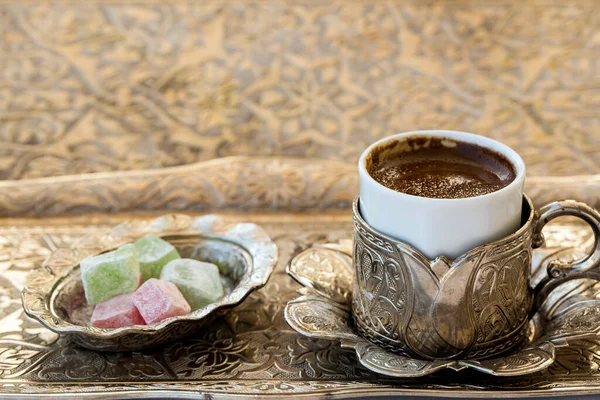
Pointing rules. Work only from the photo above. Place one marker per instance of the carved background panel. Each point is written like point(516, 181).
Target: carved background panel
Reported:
point(116, 85)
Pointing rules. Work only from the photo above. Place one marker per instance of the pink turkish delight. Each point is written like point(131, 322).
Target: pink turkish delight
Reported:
point(157, 300)
point(117, 312)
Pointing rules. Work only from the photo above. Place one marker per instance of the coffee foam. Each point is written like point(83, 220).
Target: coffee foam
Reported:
point(439, 168)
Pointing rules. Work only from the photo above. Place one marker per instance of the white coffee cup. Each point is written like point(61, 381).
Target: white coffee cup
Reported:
point(447, 227)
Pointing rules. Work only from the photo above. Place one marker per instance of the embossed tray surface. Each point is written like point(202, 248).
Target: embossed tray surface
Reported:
point(250, 350)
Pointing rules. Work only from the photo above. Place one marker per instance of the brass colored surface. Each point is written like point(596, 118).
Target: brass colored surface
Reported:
point(105, 85)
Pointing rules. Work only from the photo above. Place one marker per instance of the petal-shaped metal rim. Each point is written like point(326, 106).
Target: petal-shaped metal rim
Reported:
point(334, 283)
point(407, 248)
point(383, 362)
point(318, 317)
point(525, 361)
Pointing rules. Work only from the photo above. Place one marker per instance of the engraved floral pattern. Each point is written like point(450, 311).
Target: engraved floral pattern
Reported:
point(477, 308)
point(106, 86)
point(229, 183)
point(31, 356)
point(313, 316)
point(331, 274)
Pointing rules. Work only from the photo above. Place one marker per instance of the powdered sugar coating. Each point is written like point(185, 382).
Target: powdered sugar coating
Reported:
point(198, 281)
point(117, 312)
point(157, 300)
point(153, 254)
point(107, 275)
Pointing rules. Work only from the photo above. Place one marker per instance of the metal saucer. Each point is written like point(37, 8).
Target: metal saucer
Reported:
point(324, 312)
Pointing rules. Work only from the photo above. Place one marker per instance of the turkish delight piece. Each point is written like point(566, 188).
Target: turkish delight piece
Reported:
point(107, 275)
point(117, 312)
point(198, 281)
point(157, 300)
point(153, 254)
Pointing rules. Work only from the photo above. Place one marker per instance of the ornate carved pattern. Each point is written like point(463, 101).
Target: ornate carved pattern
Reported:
point(380, 295)
point(309, 314)
point(333, 275)
point(248, 351)
point(502, 295)
point(577, 319)
point(377, 359)
point(227, 184)
point(381, 341)
point(520, 362)
point(500, 347)
point(240, 183)
point(321, 316)
point(111, 86)
point(478, 306)
point(375, 240)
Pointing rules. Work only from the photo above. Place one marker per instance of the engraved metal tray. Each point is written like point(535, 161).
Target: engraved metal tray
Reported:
point(249, 351)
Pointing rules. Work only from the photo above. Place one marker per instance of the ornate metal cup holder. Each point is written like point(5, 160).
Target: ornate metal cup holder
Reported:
point(324, 312)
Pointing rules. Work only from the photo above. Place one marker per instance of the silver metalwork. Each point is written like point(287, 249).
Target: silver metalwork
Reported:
point(474, 307)
point(250, 351)
point(54, 296)
point(322, 314)
point(560, 272)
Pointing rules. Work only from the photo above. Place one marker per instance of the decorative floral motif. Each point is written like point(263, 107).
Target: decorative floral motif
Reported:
point(477, 307)
point(278, 185)
point(291, 363)
point(333, 275)
point(107, 86)
point(231, 183)
point(320, 316)
point(215, 357)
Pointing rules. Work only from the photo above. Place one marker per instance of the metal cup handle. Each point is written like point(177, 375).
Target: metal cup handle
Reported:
point(560, 272)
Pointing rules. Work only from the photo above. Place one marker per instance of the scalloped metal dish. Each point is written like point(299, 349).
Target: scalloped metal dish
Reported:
point(53, 294)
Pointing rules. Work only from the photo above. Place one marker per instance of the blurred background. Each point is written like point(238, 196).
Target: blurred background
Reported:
point(116, 85)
